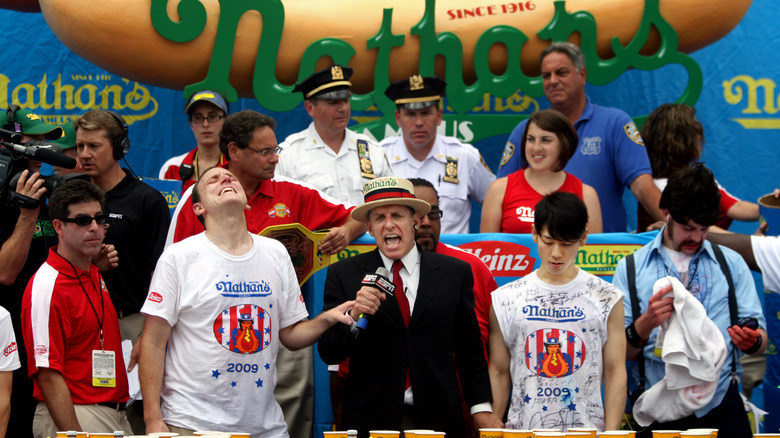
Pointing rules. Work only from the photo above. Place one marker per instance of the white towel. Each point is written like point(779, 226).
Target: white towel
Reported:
point(693, 350)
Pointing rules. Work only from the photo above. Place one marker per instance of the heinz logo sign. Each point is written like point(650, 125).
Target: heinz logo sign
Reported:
point(504, 259)
point(155, 297)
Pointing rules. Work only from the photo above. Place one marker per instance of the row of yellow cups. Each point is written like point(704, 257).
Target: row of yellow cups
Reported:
point(690, 433)
point(574, 432)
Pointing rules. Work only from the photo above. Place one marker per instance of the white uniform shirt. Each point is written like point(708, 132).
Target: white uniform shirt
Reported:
point(305, 157)
point(472, 174)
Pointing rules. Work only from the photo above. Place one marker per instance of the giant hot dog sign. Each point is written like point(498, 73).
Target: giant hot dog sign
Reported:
point(261, 48)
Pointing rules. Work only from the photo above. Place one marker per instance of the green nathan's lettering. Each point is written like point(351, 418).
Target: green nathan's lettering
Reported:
point(447, 46)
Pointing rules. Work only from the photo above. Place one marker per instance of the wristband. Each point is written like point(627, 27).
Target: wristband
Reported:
point(755, 346)
point(23, 201)
point(633, 337)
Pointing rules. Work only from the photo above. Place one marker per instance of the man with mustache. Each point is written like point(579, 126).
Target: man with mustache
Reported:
point(327, 155)
point(691, 203)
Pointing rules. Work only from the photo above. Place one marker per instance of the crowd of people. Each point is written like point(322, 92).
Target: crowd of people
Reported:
point(97, 277)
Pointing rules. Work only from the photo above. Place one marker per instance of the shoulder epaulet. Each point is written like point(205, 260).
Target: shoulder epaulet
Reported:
point(292, 138)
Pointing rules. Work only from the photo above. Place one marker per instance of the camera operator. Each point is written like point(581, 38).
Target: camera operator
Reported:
point(26, 233)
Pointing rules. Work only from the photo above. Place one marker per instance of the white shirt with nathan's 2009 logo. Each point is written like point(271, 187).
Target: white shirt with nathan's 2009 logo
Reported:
point(225, 312)
point(555, 335)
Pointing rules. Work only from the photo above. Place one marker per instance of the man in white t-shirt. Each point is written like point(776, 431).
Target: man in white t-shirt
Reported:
point(218, 306)
point(9, 361)
point(556, 336)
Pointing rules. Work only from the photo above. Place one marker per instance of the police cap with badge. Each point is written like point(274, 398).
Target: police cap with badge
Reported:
point(417, 92)
point(331, 83)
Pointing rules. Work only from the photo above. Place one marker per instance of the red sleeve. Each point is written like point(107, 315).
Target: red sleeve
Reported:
point(187, 224)
point(726, 200)
point(45, 349)
point(172, 172)
point(318, 212)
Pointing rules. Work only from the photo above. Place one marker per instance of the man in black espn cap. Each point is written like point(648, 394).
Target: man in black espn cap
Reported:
point(455, 168)
point(327, 155)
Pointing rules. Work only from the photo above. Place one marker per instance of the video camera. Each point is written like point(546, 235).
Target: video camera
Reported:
point(13, 160)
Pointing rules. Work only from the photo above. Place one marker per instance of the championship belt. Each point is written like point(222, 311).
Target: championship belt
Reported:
point(366, 169)
point(303, 246)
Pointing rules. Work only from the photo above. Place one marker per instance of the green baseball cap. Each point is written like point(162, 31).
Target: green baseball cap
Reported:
point(31, 124)
point(68, 139)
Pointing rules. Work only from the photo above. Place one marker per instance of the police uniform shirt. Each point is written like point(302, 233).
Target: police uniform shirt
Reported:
point(305, 157)
point(456, 170)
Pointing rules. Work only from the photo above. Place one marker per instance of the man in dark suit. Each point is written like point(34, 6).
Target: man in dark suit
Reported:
point(420, 342)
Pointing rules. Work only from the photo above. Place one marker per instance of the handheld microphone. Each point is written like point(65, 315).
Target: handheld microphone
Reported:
point(379, 281)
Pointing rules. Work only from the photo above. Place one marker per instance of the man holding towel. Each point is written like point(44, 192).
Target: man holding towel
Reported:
point(691, 204)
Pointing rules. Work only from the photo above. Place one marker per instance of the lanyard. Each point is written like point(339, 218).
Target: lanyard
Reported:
point(102, 302)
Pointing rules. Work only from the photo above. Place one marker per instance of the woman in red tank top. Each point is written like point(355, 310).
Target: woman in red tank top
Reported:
point(549, 141)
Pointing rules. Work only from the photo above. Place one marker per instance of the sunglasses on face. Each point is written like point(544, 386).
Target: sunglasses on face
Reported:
point(83, 221)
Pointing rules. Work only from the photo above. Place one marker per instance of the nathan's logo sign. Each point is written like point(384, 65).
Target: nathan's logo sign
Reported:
point(747, 92)
point(72, 96)
point(478, 47)
point(601, 260)
point(504, 259)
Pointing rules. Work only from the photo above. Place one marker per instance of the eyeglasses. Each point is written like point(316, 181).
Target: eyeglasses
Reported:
point(212, 118)
point(83, 221)
point(266, 152)
point(435, 215)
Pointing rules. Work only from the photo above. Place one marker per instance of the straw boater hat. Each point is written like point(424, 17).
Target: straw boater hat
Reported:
point(389, 191)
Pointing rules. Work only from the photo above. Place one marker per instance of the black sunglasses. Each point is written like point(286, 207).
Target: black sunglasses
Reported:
point(83, 221)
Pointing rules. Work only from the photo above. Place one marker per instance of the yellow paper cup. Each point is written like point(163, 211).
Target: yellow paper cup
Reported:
point(623, 433)
point(575, 434)
point(591, 431)
point(429, 434)
point(666, 434)
point(491, 433)
point(411, 433)
point(548, 434)
point(384, 433)
point(695, 434)
point(101, 435)
point(335, 434)
point(518, 433)
point(160, 434)
point(713, 432)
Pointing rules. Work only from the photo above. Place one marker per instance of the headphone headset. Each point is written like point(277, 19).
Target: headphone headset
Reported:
point(12, 125)
point(122, 142)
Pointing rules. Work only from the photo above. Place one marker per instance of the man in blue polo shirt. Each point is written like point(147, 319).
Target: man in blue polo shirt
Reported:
point(610, 155)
